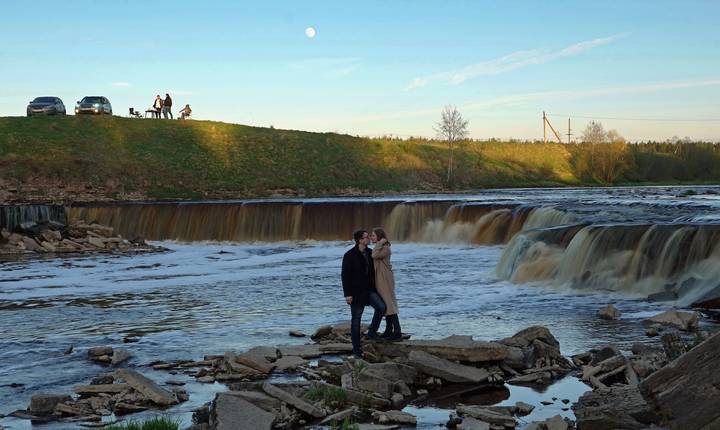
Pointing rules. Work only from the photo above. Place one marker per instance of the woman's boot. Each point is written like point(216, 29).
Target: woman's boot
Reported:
point(388, 327)
point(396, 331)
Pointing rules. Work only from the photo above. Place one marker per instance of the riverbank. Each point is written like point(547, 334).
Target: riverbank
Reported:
point(82, 159)
point(315, 386)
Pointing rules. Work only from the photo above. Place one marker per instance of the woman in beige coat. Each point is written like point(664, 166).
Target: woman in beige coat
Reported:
point(385, 283)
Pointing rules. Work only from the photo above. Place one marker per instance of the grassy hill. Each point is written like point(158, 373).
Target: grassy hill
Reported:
point(96, 158)
point(93, 158)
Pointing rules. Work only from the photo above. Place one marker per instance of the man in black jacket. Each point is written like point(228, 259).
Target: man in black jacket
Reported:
point(358, 281)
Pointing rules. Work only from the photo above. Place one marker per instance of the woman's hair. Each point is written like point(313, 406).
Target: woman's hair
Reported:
point(380, 233)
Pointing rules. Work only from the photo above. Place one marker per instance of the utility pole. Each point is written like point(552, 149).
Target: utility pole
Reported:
point(569, 134)
point(544, 128)
point(546, 123)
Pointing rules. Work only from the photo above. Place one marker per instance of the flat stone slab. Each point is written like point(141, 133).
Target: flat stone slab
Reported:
point(289, 363)
point(304, 351)
point(258, 358)
point(454, 348)
point(44, 404)
point(230, 412)
point(445, 369)
point(487, 415)
point(293, 400)
point(470, 423)
point(339, 416)
point(146, 387)
point(257, 398)
point(101, 388)
point(394, 417)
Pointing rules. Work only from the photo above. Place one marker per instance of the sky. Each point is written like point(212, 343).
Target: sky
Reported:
point(650, 69)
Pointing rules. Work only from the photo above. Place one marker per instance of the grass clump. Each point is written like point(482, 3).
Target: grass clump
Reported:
point(346, 424)
point(334, 396)
point(155, 423)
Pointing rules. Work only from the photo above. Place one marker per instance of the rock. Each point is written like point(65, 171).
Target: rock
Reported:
point(304, 351)
point(618, 407)
point(120, 355)
point(339, 416)
point(397, 400)
point(44, 404)
point(96, 242)
point(368, 381)
point(206, 379)
point(651, 332)
point(454, 348)
point(524, 408)
point(258, 358)
point(524, 338)
point(686, 391)
point(235, 413)
point(100, 388)
point(487, 415)
point(673, 345)
point(146, 387)
point(470, 423)
point(686, 321)
point(98, 351)
point(64, 409)
point(289, 363)
point(69, 350)
point(122, 408)
point(394, 372)
point(336, 348)
point(31, 244)
point(376, 427)
point(174, 382)
point(445, 369)
point(322, 332)
point(235, 366)
point(293, 401)
point(258, 399)
point(609, 312)
point(394, 417)
point(603, 353)
point(556, 423)
point(297, 333)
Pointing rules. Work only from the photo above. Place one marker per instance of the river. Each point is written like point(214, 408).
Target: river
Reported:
point(455, 272)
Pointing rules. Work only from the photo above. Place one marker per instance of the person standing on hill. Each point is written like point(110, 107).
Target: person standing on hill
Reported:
point(157, 105)
point(358, 282)
point(385, 283)
point(167, 107)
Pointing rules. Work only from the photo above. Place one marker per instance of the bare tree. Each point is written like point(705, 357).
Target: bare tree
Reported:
point(451, 128)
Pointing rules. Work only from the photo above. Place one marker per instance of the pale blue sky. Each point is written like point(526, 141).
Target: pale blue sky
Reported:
point(378, 67)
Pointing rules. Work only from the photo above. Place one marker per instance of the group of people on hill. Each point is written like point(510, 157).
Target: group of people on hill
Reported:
point(368, 280)
point(164, 106)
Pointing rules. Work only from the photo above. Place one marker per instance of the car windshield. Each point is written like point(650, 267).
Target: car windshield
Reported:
point(44, 100)
point(92, 100)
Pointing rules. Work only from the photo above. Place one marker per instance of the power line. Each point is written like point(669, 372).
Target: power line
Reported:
point(640, 119)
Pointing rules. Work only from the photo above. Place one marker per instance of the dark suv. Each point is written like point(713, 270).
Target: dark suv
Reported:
point(46, 106)
point(93, 105)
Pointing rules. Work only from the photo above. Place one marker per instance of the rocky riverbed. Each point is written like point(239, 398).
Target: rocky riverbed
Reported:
point(670, 383)
point(53, 238)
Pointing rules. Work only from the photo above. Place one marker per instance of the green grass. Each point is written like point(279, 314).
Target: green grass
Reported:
point(331, 395)
point(346, 424)
point(123, 158)
point(157, 423)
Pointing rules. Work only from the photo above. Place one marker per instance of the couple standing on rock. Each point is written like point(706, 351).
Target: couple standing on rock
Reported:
point(367, 279)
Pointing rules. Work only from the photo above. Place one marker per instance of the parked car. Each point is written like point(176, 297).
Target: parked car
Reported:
point(93, 105)
point(46, 106)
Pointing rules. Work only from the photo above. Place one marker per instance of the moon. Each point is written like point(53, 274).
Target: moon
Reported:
point(310, 32)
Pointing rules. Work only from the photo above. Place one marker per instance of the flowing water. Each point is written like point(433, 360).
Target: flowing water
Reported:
point(241, 274)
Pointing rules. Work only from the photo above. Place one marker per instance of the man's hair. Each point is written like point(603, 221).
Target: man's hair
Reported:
point(358, 234)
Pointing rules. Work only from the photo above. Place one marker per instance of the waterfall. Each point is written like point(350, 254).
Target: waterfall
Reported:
point(12, 216)
point(430, 221)
point(675, 262)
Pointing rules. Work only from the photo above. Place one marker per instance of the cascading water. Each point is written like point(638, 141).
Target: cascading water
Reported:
point(674, 262)
point(429, 221)
point(12, 216)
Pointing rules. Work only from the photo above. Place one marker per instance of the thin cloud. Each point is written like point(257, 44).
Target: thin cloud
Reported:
point(507, 63)
point(121, 84)
point(521, 99)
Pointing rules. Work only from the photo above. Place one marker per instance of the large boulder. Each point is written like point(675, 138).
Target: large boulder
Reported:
point(618, 407)
point(445, 369)
point(686, 321)
point(454, 348)
point(686, 392)
point(609, 312)
point(45, 404)
point(230, 412)
point(146, 387)
point(539, 348)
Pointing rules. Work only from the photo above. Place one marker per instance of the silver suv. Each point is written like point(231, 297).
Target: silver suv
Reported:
point(93, 105)
point(46, 106)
